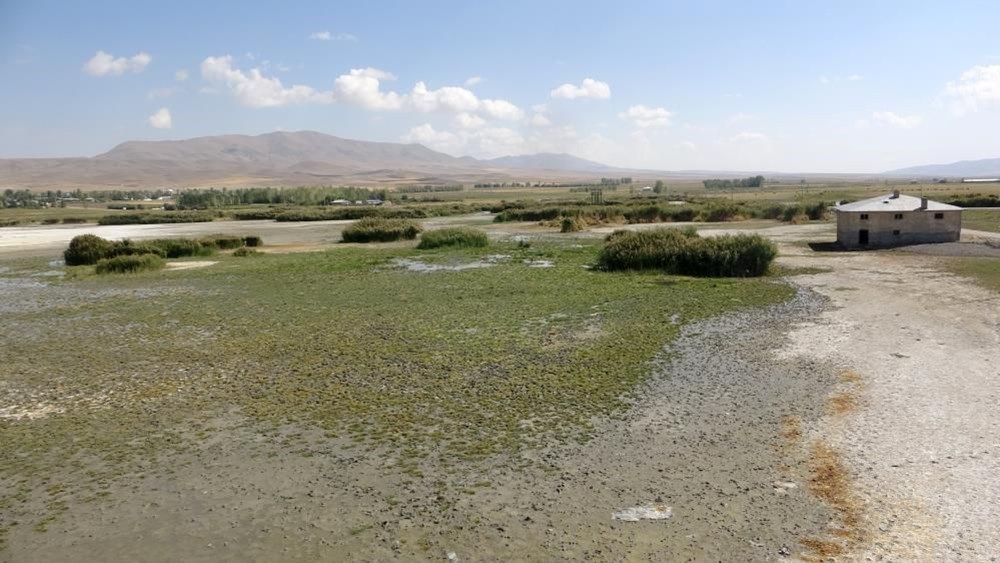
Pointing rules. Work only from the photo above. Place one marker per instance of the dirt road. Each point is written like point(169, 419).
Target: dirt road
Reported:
point(915, 416)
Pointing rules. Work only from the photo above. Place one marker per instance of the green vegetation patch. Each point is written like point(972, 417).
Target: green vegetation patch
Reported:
point(90, 249)
point(156, 218)
point(460, 237)
point(129, 264)
point(982, 219)
point(986, 271)
point(440, 367)
point(380, 229)
point(683, 251)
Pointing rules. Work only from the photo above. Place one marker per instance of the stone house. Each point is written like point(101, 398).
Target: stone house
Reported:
point(896, 220)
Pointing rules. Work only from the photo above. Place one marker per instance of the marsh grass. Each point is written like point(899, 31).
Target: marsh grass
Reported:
point(380, 229)
point(456, 237)
point(443, 368)
point(683, 251)
point(129, 264)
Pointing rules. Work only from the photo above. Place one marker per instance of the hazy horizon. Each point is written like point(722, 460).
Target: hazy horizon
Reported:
point(845, 88)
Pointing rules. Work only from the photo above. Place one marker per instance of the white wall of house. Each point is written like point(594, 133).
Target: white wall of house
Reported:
point(885, 229)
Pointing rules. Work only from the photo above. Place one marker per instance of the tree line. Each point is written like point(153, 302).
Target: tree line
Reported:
point(717, 184)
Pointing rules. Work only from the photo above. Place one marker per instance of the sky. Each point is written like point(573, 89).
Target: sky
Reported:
point(793, 86)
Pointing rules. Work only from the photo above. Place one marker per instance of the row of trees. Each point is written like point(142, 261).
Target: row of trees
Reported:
point(315, 195)
point(751, 182)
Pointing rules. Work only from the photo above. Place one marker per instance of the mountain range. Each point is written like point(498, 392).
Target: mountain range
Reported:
point(284, 158)
point(987, 167)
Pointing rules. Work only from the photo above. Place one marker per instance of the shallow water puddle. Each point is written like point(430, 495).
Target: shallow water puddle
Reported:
point(419, 266)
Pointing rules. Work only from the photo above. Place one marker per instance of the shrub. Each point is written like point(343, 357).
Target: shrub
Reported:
point(179, 247)
point(155, 218)
point(379, 229)
point(50, 220)
point(129, 264)
point(571, 225)
point(684, 252)
point(453, 237)
point(222, 242)
point(73, 220)
point(86, 250)
point(9, 222)
point(244, 252)
point(253, 240)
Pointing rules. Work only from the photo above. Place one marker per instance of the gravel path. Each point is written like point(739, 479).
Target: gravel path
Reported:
point(923, 441)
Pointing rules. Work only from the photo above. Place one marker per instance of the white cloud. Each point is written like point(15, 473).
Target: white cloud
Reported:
point(161, 119)
point(855, 78)
point(362, 87)
point(484, 142)
point(824, 80)
point(749, 136)
point(105, 64)
point(896, 120)
point(502, 109)
point(589, 88)
point(438, 140)
point(469, 121)
point(689, 145)
point(253, 89)
point(644, 117)
point(328, 36)
point(977, 87)
point(181, 75)
point(450, 98)
point(539, 120)
point(473, 80)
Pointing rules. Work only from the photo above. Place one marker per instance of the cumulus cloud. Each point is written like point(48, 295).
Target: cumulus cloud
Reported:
point(181, 75)
point(502, 109)
point(539, 120)
point(895, 120)
point(977, 87)
point(362, 87)
point(473, 80)
point(469, 121)
point(253, 89)
point(589, 88)
point(450, 98)
point(328, 36)
point(105, 64)
point(645, 117)
point(161, 119)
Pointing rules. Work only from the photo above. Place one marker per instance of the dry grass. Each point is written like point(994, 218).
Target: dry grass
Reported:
point(843, 403)
point(830, 481)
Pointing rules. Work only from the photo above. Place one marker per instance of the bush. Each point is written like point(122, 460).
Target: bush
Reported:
point(50, 220)
point(684, 252)
point(244, 252)
point(453, 237)
point(155, 218)
point(378, 229)
point(85, 250)
point(253, 240)
point(179, 247)
point(222, 242)
point(73, 220)
point(571, 225)
point(129, 264)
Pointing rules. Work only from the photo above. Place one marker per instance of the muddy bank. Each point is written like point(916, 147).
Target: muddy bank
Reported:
point(712, 437)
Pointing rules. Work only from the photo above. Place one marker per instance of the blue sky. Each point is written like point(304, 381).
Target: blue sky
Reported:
point(792, 86)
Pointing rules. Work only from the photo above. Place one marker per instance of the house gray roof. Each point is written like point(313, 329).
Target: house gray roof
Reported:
point(894, 203)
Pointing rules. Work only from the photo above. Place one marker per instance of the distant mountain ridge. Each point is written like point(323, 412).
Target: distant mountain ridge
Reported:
point(280, 158)
point(987, 167)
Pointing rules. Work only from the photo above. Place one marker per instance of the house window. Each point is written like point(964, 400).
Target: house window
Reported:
point(939, 215)
point(898, 216)
point(895, 233)
point(864, 216)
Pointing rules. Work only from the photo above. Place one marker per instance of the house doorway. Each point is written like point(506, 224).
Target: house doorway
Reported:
point(863, 237)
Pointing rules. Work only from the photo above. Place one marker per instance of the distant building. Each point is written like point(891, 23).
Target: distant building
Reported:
point(980, 180)
point(896, 220)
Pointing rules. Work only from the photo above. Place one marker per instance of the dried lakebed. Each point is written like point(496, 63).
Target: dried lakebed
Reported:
point(707, 437)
